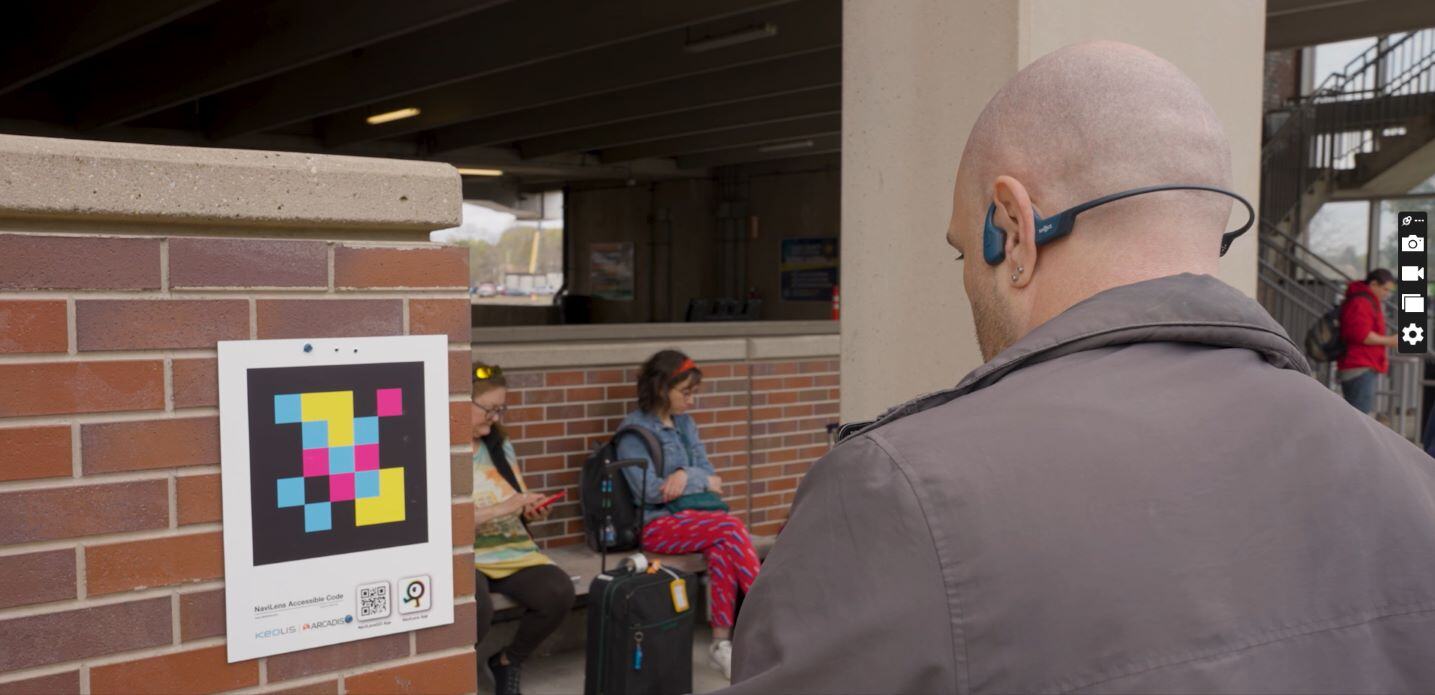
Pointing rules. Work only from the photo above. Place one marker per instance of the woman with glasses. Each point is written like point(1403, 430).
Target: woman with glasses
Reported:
point(505, 558)
point(683, 511)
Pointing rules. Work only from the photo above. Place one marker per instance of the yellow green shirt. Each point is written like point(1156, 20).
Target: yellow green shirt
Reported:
point(501, 546)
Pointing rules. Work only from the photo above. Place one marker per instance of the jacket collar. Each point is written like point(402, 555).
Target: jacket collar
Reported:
point(1196, 309)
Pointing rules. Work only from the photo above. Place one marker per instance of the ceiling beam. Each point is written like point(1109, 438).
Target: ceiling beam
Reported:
point(814, 102)
point(47, 37)
point(802, 26)
point(504, 37)
point(1297, 23)
point(741, 155)
point(780, 131)
point(753, 81)
point(236, 42)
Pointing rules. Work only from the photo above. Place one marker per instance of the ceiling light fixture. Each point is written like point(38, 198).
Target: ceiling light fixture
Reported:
point(391, 116)
point(783, 147)
point(744, 35)
point(479, 172)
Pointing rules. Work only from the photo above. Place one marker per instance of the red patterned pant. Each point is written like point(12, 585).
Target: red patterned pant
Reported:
point(722, 539)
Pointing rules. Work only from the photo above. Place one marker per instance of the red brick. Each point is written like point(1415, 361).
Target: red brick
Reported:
point(150, 563)
point(538, 464)
point(542, 430)
point(182, 673)
point(33, 326)
point(818, 366)
point(767, 384)
point(462, 529)
point(521, 415)
point(154, 324)
point(54, 638)
point(623, 393)
point(460, 422)
point(337, 657)
point(716, 371)
point(195, 383)
point(70, 512)
point(829, 408)
point(459, 381)
point(460, 633)
point(541, 396)
point(63, 388)
point(565, 446)
point(783, 484)
point(606, 409)
point(147, 444)
point(463, 579)
point(587, 427)
point(730, 416)
point(197, 498)
point(450, 317)
point(798, 411)
point(201, 615)
point(35, 452)
point(524, 380)
point(586, 393)
point(54, 684)
point(210, 262)
point(774, 368)
point(320, 688)
point(328, 318)
point(826, 380)
point(528, 448)
point(565, 378)
point(565, 412)
point(562, 479)
point(461, 474)
point(37, 577)
point(452, 674)
point(433, 266)
point(605, 376)
point(34, 262)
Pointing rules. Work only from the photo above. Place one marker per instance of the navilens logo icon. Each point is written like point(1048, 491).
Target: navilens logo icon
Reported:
point(318, 624)
point(276, 632)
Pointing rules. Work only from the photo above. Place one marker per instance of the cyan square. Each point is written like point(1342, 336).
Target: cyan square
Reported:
point(286, 409)
point(366, 430)
point(341, 459)
point(291, 492)
point(366, 484)
point(316, 435)
point(317, 517)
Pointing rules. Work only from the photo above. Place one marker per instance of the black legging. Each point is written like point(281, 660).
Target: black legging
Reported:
point(546, 591)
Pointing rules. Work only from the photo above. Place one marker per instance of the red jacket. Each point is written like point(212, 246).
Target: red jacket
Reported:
point(1360, 316)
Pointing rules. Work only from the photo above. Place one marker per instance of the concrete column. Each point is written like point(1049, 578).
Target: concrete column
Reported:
point(916, 74)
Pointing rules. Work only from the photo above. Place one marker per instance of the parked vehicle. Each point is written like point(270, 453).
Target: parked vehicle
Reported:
point(487, 289)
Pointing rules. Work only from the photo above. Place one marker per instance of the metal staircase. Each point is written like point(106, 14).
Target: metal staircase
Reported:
point(1355, 133)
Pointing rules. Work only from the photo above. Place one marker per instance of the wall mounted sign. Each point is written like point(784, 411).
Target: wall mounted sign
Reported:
point(611, 272)
point(335, 474)
point(809, 269)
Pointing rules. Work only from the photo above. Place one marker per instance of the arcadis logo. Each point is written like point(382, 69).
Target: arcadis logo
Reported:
point(320, 624)
point(276, 632)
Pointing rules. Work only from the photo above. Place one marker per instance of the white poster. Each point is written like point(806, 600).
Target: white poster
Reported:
point(335, 468)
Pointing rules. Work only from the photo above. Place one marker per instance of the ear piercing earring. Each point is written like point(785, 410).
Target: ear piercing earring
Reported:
point(1017, 275)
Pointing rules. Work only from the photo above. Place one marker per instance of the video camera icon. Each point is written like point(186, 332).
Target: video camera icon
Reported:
point(1412, 273)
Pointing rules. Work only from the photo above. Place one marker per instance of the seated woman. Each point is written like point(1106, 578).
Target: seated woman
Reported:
point(699, 523)
point(505, 558)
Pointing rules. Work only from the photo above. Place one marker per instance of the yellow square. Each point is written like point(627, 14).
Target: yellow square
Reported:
point(388, 507)
point(333, 407)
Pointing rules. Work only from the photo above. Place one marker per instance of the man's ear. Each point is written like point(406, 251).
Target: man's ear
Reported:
point(1017, 218)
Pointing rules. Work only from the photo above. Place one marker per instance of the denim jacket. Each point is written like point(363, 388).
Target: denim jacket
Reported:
point(681, 449)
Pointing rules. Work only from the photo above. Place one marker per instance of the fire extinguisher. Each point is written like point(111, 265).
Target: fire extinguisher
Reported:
point(836, 302)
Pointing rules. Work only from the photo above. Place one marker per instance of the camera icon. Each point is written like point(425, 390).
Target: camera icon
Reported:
point(1412, 242)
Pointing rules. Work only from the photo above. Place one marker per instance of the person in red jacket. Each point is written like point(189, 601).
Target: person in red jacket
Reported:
point(1362, 326)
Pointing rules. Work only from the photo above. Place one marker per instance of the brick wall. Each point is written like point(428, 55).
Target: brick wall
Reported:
point(111, 559)
point(763, 423)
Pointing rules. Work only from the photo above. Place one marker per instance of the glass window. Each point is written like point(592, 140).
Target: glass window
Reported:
point(515, 254)
point(1332, 58)
point(1386, 240)
point(1426, 186)
point(1339, 232)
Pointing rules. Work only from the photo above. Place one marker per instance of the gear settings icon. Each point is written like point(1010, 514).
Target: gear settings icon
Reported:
point(1413, 334)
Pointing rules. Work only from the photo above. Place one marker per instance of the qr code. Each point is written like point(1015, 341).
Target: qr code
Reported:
point(374, 601)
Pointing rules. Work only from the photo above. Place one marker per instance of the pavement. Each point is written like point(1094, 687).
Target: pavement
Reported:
point(562, 674)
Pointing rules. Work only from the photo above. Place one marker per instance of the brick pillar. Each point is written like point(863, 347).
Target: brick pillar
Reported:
point(111, 557)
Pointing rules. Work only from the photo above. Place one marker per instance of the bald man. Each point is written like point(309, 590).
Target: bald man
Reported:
point(1142, 490)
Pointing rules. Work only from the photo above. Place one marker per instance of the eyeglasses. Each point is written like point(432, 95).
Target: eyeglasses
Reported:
point(688, 392)
point(495, 413)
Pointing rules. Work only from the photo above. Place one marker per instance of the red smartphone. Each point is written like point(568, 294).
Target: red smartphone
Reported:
point(551, 499)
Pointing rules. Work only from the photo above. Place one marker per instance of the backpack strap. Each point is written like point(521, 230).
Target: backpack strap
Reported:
point(655, 452)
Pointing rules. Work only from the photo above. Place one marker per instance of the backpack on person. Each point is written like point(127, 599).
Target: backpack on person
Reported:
point(1323, 342)
point(612, 514)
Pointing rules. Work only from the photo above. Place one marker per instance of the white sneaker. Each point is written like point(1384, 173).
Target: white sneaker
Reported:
point(720, 656)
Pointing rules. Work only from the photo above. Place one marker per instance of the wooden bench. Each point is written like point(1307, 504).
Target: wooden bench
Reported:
point(580, 562)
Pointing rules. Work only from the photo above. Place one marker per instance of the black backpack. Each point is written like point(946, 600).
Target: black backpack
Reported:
point(1323, 342)
point(616, 506)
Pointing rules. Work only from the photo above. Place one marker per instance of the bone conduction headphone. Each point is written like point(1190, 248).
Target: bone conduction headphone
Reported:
point(1060, 224)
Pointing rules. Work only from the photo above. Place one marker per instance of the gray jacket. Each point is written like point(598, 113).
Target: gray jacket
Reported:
point(1146, 494)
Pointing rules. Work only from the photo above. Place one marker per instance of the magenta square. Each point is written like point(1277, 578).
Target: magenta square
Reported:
point(366, 457)
point(341, 487)
point(391, 402)
point(316, 462)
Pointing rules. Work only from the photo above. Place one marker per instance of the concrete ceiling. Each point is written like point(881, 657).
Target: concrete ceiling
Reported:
point(546, 90)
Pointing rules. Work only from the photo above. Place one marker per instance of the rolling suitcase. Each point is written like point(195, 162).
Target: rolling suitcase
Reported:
point(640, 627)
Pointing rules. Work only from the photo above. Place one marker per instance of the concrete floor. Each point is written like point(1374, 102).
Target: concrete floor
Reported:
point(562, 673)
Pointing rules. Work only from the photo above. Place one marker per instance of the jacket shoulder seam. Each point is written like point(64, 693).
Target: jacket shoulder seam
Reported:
point(962, 657)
